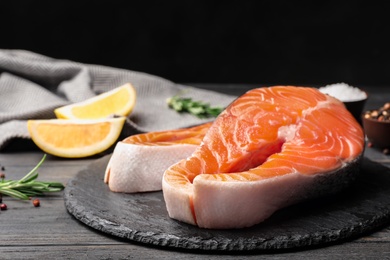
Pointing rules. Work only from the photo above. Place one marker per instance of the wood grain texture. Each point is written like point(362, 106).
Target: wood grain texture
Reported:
point(50, 232)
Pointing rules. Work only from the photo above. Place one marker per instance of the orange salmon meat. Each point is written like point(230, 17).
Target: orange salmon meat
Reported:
point(270, 148)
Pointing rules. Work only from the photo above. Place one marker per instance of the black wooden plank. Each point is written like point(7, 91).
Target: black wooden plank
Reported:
point(49, 231)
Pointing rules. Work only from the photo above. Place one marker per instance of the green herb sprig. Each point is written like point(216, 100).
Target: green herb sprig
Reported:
point(197, 108)
point(28, 186)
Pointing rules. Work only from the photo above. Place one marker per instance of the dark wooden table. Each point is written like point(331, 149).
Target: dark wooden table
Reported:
point(50, 232)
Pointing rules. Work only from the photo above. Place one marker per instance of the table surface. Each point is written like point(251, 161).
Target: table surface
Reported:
point(49, 231)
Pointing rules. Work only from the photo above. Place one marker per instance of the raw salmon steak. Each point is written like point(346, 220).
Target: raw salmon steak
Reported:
point(270, 148)
point(139, 161)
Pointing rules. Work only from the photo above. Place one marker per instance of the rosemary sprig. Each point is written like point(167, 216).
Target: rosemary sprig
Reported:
point(28, 186)
point(197, 108)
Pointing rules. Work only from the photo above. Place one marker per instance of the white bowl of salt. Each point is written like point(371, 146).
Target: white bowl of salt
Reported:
point(353, 98)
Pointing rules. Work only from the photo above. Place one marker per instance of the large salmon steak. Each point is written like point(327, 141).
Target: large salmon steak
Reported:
point(270, 148)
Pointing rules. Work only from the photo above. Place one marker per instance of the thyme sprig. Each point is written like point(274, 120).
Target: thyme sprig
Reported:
point(28, 186)
point(197, 108)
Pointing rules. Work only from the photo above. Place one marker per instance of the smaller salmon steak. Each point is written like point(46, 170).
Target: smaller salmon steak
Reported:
point(139, 161)
point(272, 147)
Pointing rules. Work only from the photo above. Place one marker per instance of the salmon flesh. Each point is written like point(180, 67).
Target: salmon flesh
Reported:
point(270, 148)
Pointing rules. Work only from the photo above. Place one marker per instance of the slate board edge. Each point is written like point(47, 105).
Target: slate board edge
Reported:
point(278, 243)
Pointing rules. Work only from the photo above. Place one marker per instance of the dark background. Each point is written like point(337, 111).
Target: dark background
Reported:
point(255, 42)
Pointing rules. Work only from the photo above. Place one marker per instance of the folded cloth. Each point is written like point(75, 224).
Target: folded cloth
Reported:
point(33, 85)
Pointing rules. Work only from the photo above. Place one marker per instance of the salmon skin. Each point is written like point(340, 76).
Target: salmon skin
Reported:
point(272, 147)
point(139, 161)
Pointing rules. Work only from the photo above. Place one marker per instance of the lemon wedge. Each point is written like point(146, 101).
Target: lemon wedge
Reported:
point(75, 138)
point(119, 101)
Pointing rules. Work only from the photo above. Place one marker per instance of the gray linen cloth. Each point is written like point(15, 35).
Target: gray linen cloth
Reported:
point(33, 85)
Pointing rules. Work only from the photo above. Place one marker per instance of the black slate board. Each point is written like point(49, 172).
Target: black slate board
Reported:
point(362, 208)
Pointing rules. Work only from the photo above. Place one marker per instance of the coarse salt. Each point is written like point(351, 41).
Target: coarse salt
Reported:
point(344, 92)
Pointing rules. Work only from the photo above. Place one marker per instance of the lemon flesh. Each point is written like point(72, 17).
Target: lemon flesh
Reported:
point(119, 101)
point(75, 138)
